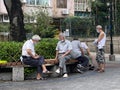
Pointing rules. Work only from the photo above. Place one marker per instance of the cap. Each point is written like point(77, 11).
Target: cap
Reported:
point(36, 37)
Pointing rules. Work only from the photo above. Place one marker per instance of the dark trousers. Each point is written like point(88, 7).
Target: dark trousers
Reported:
point(84, 61)
point(34, 62)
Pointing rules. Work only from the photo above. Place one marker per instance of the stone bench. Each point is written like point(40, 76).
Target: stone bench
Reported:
point(18, 68)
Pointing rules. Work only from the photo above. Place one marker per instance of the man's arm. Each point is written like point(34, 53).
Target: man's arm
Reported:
point(66, 53)
point(30, 53)
point(88, 51)
point(69, 49)
point(56, 55)
point(82, 52)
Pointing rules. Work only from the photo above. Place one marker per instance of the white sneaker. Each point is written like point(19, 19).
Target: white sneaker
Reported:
point(57, 71)
point(65, 75)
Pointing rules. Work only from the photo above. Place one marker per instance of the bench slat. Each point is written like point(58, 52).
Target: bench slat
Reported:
point(48, 62)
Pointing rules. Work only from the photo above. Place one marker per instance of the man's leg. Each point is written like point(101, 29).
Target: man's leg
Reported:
point(39, 71)
point(85, 61)
point(97, 59)
point(62, 63)
point(66, 58)
point(101, 60)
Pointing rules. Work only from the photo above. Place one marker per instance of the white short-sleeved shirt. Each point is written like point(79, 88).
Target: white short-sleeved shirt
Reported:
point(28, 45)
point(84, 47)
point(76, 45)
point(62, 47)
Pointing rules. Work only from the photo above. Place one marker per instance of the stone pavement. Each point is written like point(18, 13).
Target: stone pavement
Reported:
point(90, 80)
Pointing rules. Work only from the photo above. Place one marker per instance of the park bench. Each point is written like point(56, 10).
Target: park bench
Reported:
point(18, 67)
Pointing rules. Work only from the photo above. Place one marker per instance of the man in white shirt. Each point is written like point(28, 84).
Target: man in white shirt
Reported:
point(87, 53)
point(100, 43)
point(31, 58)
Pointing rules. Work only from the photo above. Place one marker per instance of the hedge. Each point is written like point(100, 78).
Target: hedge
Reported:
point(11, 51)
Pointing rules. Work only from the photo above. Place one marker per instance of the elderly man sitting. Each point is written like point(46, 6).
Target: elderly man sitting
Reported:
point(31, 58)
point(63, 50)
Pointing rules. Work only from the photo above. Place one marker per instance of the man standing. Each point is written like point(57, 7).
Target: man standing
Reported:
point(31, 58)
point(63, 50)
point(100, 43)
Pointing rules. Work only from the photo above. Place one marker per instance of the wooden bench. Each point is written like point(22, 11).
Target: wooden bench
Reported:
point(18, 67)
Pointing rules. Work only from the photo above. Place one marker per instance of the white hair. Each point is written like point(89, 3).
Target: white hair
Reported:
point(36, 37)
point(99, 26)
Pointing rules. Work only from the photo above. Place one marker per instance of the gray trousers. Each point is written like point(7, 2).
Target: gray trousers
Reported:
point(62, 61)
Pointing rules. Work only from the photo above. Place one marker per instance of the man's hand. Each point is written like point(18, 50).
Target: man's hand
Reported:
point(36, 56)
point(95, 42)
point(63, 55)
point(56, 60)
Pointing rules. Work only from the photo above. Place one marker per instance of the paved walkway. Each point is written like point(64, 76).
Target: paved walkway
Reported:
point(91, 80)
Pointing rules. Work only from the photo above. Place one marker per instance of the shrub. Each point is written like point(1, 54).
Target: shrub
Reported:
point(47, 48)
point(11, 51)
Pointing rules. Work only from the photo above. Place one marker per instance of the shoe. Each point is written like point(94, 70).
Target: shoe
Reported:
point(79, 71)
point(91, 67)
point(57, 71)
point(79, 66)
point(65, 75)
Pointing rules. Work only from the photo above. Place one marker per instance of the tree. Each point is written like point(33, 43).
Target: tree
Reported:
point(80, 27)
point(44, 26)
point(100, 12)
point(117, 16)
point(15, 13)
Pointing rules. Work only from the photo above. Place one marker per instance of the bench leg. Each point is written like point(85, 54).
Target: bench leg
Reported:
point(17, 73)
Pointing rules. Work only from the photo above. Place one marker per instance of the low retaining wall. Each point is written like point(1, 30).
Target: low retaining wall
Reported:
point(116, 44)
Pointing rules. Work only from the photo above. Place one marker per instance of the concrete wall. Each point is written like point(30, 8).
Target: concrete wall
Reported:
point(52, 9)
point(116, 44)
point(57, 12)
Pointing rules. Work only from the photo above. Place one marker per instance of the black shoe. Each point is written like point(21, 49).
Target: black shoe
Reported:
point(91, 68)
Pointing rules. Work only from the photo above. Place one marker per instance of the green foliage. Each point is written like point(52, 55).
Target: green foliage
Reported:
point(44, 27)
point(100, 12)
point(29, 71)
point(11, 51)
point(79, 26)
point(29, 27)
point(4, 27)
point(46, 47)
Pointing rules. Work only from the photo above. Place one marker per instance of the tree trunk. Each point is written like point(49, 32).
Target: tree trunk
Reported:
point(15, 13)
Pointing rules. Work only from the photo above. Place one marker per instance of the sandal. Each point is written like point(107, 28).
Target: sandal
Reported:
point(46, 72)
point(41, 78)
point(102, 70)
